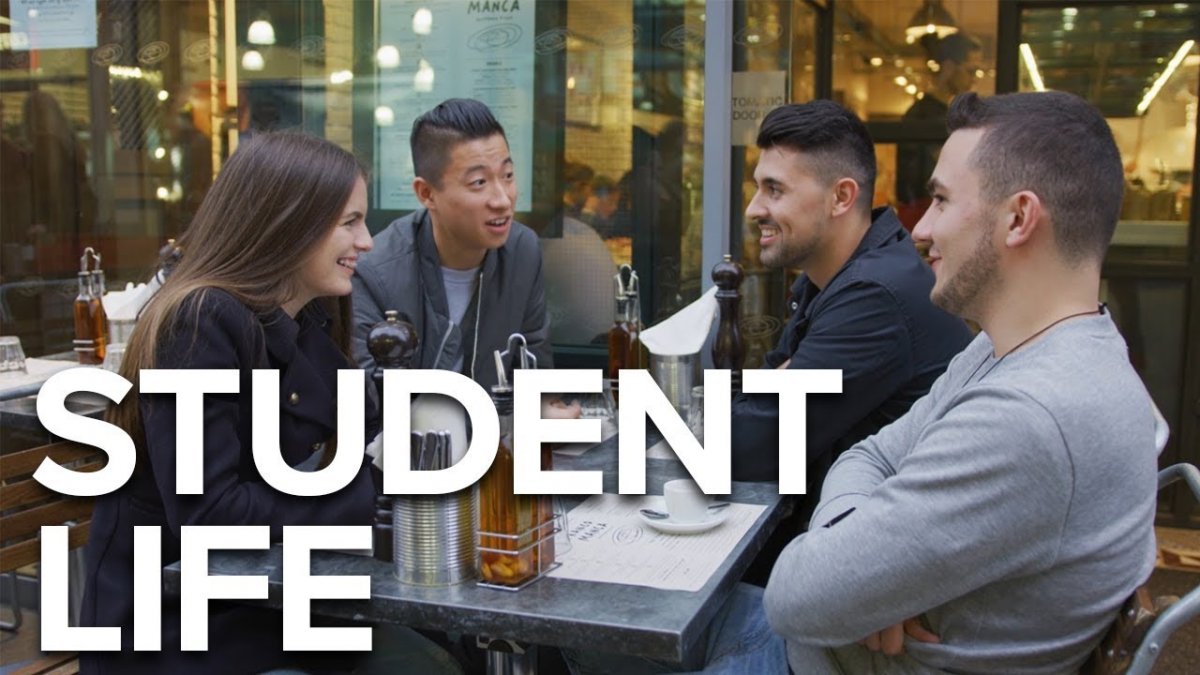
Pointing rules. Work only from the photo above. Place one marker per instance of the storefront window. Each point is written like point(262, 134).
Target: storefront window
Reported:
point(108, 113)
point(775, 55)
point(899, 66)
point(1140, 65)
point(113, 133)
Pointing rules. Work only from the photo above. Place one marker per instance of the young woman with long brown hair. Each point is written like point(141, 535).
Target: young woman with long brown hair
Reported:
point(275, 240)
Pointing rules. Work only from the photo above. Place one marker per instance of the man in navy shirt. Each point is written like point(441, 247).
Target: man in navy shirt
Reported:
point(862, 304)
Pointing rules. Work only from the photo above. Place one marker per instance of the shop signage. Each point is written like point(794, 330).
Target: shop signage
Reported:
point(755, 95)
point(51, 24)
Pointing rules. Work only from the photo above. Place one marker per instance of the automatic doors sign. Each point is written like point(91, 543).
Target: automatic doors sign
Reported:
point(754, 95)
point(52, 24)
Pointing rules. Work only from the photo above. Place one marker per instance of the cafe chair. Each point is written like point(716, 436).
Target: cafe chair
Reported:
point(26, 506)
point(1137, 637)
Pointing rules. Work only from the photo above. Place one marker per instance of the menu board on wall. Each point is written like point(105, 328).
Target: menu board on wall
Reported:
point(51, 24)
point(480, 49)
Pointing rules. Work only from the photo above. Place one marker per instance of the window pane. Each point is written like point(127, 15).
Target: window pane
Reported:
point(882, 69)
point(774, 55)
point(1139, 64)
point(107, 142)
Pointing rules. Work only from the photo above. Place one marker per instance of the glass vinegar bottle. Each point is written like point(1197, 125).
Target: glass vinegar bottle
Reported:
point(516, 531)
point(90, 322)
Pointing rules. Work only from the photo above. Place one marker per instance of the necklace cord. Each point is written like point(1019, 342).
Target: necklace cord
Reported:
point(1022, 343)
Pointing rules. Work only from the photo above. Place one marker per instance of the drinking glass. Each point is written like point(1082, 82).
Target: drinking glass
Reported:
point(12, 357)
point(695, 418)
point(113, 356)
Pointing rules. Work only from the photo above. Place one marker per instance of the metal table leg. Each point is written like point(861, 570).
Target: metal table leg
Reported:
point(508, 657)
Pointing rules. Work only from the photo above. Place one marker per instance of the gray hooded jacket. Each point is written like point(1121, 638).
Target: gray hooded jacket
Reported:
point(403, 272)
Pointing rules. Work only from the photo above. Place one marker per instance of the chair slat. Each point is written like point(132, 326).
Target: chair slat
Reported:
point(24, 462)
point(30, 550)
point(24, 523)
point(29, 492)
point(66, 663)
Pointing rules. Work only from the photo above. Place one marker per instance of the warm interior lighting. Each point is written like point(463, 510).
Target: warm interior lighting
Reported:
point(931, 19)
point(253, 61)
point(423, 80)
point(1166, 75)
point(384, 116)
point(422, 21)
point(876, 61)
point(340, 77)
point(126, 72)
point(1035, 75)
point(388, 57)
point(261, 32)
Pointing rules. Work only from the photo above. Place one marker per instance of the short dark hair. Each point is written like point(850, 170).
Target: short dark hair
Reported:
point(956, 47)
point(435, 133)
point(835, 138)
point(1057, 146)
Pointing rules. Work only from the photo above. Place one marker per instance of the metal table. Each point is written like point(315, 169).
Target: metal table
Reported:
point(635, 620)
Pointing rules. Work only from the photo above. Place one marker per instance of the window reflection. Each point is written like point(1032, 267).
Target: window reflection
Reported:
point(1139, 65)
point(900, 78)
point(105, 142)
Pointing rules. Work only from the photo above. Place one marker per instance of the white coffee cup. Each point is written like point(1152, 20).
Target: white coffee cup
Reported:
point(685, 502)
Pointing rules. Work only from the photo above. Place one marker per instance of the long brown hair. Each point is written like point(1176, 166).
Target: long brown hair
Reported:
point(275, 200)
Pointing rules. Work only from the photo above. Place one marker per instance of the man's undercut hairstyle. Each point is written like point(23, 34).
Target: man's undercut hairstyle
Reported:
point(1057, 146)
point(435, 133)
point(834, 141)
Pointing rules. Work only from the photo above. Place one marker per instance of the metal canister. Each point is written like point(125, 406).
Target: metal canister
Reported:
point(434, 538)
point(676, 375)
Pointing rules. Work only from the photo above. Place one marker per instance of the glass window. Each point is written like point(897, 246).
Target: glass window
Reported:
point(1140, 65)
point(775, 52)
point(108, 120)
point(898, 65)
point(1150, 314)
point(112, 135)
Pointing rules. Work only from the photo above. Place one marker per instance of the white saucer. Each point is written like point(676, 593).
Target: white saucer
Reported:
point(713, 519)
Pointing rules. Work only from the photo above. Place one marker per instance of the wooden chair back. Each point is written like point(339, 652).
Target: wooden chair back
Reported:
point(26, 505)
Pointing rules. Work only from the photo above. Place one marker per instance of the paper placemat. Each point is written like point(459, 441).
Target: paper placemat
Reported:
point(610, 543)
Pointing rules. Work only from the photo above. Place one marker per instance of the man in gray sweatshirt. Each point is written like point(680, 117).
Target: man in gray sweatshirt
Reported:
point(998, 526)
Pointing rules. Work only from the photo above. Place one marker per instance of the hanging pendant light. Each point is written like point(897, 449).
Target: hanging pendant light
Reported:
point(931, 19)
point(261, 32)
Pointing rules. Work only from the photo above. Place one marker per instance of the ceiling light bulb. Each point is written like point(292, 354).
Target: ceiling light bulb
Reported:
point(423, 80)
point(388, 56)
point(261, 32)
point(252, 60)
point(422, 21)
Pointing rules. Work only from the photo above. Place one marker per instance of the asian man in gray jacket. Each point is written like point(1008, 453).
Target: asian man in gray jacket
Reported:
point(464, 272)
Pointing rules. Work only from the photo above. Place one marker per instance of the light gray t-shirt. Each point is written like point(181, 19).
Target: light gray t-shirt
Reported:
point(1012, 508)
point(460, 286)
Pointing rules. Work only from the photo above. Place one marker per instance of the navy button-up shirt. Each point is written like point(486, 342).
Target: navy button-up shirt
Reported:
point(873, 321)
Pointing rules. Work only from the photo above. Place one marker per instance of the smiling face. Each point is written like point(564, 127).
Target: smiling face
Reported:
point(328, 267)
point(791, 208)
point(472, 208)
point(958, 227)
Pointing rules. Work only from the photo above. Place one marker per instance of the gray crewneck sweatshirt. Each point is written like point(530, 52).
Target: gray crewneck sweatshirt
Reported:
point(1012, 508)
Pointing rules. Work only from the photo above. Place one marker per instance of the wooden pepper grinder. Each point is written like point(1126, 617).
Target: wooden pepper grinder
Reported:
point(393, 343)
point(728, 349)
